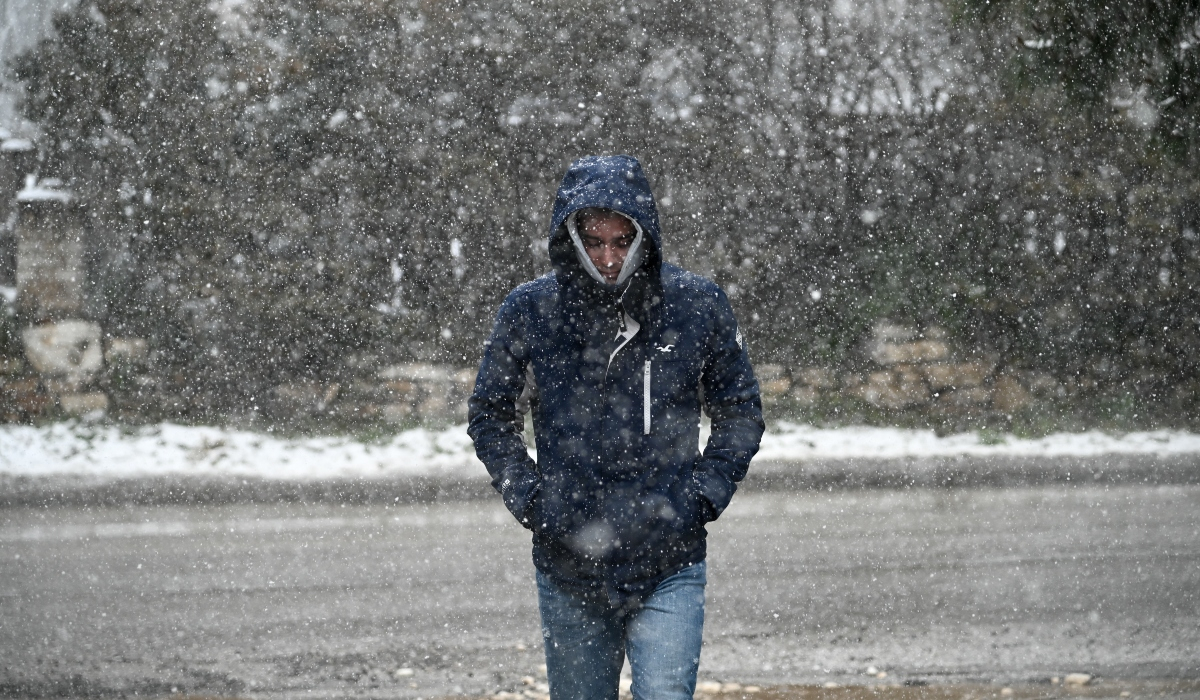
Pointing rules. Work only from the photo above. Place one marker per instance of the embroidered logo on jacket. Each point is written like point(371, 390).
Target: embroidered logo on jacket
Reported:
point(664, 348)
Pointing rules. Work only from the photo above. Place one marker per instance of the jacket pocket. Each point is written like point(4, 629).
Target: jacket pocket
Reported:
point(546, 515)
point(669, 395)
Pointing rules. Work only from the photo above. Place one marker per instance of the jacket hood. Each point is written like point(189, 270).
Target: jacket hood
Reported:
point(607, 182)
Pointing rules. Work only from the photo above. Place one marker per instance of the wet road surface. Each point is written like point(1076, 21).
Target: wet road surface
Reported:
point(988, 586)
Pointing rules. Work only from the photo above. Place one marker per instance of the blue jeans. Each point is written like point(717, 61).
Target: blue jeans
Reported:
point(586, 640)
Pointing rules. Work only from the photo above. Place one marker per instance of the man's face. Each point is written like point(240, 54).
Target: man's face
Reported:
point(606, 237)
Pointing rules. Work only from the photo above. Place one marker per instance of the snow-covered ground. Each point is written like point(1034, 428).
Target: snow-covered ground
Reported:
point(104, 452)
point(791, 442)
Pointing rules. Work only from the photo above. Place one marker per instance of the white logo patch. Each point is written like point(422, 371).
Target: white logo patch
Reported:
point(664, 348)
point(738, 338)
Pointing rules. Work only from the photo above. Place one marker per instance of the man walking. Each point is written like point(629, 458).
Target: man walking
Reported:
point(616, 352)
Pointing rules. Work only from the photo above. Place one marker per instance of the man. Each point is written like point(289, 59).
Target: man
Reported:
point(616, 352)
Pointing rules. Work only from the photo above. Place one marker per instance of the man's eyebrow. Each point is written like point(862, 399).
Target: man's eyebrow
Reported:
point(589, 238)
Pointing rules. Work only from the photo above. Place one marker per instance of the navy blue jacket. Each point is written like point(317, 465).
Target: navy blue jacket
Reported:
point(620, 493)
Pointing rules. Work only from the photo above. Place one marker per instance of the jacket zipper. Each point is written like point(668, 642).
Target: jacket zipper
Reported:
point(627, 334)
point(646, 399)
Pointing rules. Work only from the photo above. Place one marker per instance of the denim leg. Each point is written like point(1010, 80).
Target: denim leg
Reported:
point(664, 636)
point(584, 644)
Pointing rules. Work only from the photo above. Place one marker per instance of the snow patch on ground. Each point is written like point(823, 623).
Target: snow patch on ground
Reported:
point(112, 452)
point(107, 452)
point(792, 442)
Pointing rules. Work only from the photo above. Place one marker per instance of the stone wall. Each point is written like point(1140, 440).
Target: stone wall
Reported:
point(399, 394)
point(71, 369)
point(907, 369)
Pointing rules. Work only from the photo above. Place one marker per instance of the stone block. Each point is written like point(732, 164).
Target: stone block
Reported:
point(818, 377)
point(64, 349)
point(23, 398)
point(889, 332)
point(769, 372)
point(86, 404)
point(805, 395)
point(774, 387)
point(949, 376)
point(127, 351)
point(300, 394)
point(355, 410)
point(908, 374)
point(61, 385)
point(363, 389)
point(1041, 384)
point(440, 391)
point(894, 390)
point(415, 372)
point(436, 404)
point(915, 352)
point(973, 396)
point(462, 383)
point(1008, 395)
point(402, 390)
point(396, 412)
point(302, 397)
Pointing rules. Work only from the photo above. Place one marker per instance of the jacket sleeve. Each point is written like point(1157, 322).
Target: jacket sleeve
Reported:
point(731, 400)
point(496, 426)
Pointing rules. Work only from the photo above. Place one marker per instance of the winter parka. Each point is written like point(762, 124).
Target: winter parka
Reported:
point(615, 377)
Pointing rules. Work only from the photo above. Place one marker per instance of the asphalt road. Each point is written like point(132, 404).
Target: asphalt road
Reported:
point(939, 585)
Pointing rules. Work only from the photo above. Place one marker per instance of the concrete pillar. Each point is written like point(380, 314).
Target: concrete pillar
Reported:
point(64, 348)
point(17, 157)
point(50, 266)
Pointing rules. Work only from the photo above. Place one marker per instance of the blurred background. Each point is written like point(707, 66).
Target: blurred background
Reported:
point(304, 213)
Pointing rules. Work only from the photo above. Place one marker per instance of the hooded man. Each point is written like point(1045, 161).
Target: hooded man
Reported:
point(616, 352)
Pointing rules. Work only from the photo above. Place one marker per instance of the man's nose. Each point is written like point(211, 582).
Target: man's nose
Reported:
point(610, 256)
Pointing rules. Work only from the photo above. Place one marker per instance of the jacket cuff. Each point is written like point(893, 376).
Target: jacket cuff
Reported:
point(518, 485)
point(711, 493)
